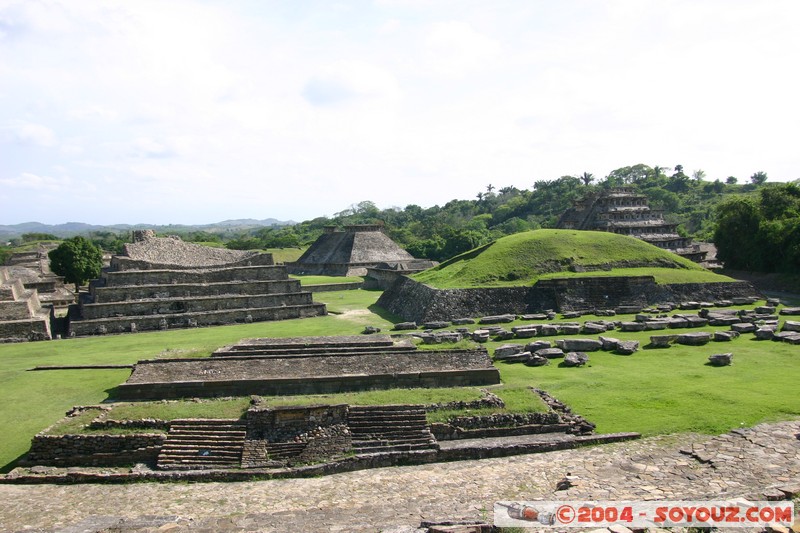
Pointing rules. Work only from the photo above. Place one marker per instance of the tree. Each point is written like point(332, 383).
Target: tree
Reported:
point(699, 175)
point(587, 178)
point(731, 180)
point(78, 260)
point(758, 178)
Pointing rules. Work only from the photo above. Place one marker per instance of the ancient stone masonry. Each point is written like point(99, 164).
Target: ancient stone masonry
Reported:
point(350, 252)
point(22, 317)
point(161, 283)
point(626, 212)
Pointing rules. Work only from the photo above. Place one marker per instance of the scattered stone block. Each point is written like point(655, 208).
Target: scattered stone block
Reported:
point(694, 339)
point(436, 324)
point(536, 316)
point(765, 310)
point(521, 357)
point(765, 333)
point(370, 330)
point(696, 321)
point(744, 327)
point(631, 326)
point(605, 312)
point(723, 303)
point(526, 332)
point(627, 347)
point(548, 330)
point(575, 359)
point(463, 321)
point(535, 346)
point(745, 300)
point(551, 353)
point(403, 326)
point(689, 306)
point(652, 325)
point(609, 343)
point(678, 322)
point(570, 329)
point(593, 328)
point(723, 320)
point(537, 360)
point(480, 335)
point(498, 319)
point(571, 314)
point(725, 336)
point(662, 341)
point(506, 350)
point(582, 345)
point(628, 309)
point(791, 325)
point(503, 335)
point(720, 359)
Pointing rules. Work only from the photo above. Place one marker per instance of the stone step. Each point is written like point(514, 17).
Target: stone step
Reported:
point(210, 433)
point(402, 424)
point(385, 448)
point(195, 446)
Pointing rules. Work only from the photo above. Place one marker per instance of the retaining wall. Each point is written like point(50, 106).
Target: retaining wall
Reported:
point(94, 450)
point(178, 290)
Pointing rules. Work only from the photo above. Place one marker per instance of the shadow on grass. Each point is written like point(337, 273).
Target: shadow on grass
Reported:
point(384, 314)
point(5, 469)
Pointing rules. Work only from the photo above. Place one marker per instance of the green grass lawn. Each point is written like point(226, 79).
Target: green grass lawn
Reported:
point(326, 280)
point(652, 391)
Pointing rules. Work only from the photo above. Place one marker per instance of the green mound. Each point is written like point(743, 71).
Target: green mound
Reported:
point(524, 258)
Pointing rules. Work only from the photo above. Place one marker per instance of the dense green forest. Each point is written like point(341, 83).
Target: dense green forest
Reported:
point(752, 215)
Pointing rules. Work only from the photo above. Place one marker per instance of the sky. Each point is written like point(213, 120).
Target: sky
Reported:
point(192, 112)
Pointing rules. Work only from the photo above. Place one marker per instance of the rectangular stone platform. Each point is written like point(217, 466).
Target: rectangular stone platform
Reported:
point(232, 376)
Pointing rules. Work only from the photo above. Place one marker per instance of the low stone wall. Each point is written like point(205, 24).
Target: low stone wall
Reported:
point(414, 301)
point(121, 262)
point(209, 275)
point(94, 450)
point(32, 329)
point(278, 424)
point(179, 290)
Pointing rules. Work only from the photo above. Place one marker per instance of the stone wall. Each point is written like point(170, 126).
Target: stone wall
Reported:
point(191, 277)
point(178, 290)
point(94, 450)
point(414, 301)
point(278, 424)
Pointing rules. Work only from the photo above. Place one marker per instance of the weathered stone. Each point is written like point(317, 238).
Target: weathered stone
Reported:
point(609, 343)
point(463, 321)
point(725, 336)
point(662, 341)
point(370, 330)
point(765, 309)
point(790, 311)
point(743, 327)
point(536, 316)
point(678, 322)
point(575, 359)
point(525, 332)
point(549, 330)
point(535, 346)
point(791, 325)
point(696, 321)
point(570, 329)
point(506, 350)
point(593, 328)
point(402, 326)
point(503, 335)
point(688, 306)
point(627, 347)
point(550, 353)
point(605, 312)
point(694, 339)
point(537, 360)
point(720, 359)
point(582, 345)
point(480, 335)
point(436, 324)
point(764, 333)
point(521, 357)
point(651, 325)
point(723, 320)
point(571, 314)
point(631, 326)
point(497, 319)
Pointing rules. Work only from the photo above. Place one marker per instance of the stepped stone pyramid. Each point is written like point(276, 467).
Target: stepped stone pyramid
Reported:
point(624, 211)
point(349, 252)
point(22, 317)
point(163, 282)
point(33, 269)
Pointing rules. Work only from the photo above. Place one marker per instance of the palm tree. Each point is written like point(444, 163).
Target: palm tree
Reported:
point(587, 178)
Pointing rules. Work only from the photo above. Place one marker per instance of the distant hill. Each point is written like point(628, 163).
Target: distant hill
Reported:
point(71, 229)
point(523, 258)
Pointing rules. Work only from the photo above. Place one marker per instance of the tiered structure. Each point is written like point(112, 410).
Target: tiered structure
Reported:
point(349, 252)
point(33, 269)
point(163, 282)
point(626, 212)
point(22, 317)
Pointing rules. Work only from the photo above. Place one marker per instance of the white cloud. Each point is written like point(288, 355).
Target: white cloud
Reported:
point(454, 48)
point(35, 182)
point(348, 81)
point(29, 133)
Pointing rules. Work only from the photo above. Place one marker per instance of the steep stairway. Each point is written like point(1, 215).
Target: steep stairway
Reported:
point(198, 444)
point(389, 428)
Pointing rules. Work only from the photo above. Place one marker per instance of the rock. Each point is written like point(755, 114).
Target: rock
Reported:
point(506, 350)
point(521, 357)
point(537, 360)
point(627, 347)
point(628, 309)
point(696, 321)
point(651, 325)
point(550, 353)
point(436, 324)
point(571, 314)
point(498, 319)
point(689, 306)
point(723, 320)
point(593, 328)
point(725, 336)
point(765, 309)
point(405, 326)
point(791, 325)
point(525, 332)
point(720, 359)
point(570, 329)
point(463, 321)
point(480, 335)
point(609, 343)
point(369, 330)
point(662, 341)
point(631, 326)
point(503, 335)
point(535, 316)
point(694, 339)
point(535, 346)
point(548, 330)
point(743, 327)
point(582, 345)
point(677, 322)
point(790, 311)
point(764, 333)
point(575, 359)
point(605, 312)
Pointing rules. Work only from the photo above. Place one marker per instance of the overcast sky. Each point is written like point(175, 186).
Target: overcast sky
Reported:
point(186, 111)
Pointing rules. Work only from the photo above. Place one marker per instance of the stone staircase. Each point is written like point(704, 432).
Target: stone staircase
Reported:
point(202, 444)
point(389, 428)
point(278, 451)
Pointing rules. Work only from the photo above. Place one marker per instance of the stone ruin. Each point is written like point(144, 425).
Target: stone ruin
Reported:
point(22, 317)
point(626, 212)
point(164, 283)
point(351, 251)
point(33, 269)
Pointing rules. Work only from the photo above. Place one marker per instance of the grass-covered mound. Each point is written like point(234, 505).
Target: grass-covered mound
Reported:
point(524, 258)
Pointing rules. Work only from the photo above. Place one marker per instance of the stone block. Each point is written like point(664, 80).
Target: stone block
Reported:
point(791, 325)
point(480, 335)
point(498, 319)
point(627, 347)
point(764, 333)
point(694, 339)
point(436, 324)
point(609, 343)
point(743, 327)
point(463, 321)
point(725, 336)
point(535, 346)
point(652, 325)
point(579, 345)
point(506, 350)
point(631, 326)
point(720, 359)
point(575, 359)
point(662, 341)
point(593, 328)
point(790, 311)
point(570, 329)
point(537, 360)
point(550, 353)
point(403, 326)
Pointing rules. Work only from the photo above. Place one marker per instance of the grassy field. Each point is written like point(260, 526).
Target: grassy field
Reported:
point(652, 391)
point(524, 258)
point(326, 280)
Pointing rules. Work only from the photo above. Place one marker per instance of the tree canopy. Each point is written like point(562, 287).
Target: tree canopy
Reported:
point(77, 259)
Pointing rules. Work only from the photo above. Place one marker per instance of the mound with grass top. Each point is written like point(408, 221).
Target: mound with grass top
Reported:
point(523, 259)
